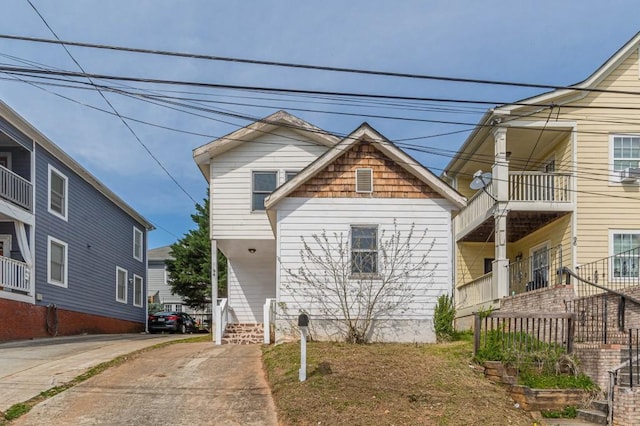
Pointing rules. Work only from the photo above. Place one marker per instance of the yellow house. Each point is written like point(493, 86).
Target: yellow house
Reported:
point(552, 181)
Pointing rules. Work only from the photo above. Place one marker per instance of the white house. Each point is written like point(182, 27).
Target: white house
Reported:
point(260, 230)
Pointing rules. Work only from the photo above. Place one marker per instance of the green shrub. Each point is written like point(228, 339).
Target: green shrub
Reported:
point(443, 317)
point(569, 412)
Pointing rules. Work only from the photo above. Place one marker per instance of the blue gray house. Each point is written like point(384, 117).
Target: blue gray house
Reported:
point(72, 253)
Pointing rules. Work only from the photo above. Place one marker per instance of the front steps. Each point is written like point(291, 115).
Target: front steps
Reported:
point(243, 334)
point(596, 414)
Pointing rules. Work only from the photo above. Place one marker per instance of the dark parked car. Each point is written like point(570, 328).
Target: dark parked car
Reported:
point(176, 322)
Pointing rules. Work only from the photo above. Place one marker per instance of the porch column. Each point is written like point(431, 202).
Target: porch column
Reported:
point(214, 283)
point(500, 189)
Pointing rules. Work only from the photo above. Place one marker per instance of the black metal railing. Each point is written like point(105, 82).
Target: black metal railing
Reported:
point(618, 272)
point(602, 313)
point(535, 272)
point(523, 332)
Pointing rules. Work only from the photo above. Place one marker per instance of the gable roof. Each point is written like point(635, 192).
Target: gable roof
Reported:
point(159, 253)
point(364, 133)
point(203, 154)
point(34, 134)
point(558, 97)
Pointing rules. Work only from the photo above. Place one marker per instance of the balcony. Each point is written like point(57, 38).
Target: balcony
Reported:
point(14, 276)
point(16, 189)
point(527, 192)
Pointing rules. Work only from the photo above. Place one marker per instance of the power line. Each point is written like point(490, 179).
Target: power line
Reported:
point(135, 135)
point(315, 67)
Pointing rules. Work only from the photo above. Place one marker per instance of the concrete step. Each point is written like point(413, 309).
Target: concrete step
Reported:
point(600, 405)
point(594, 416)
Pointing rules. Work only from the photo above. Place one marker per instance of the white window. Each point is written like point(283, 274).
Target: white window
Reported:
point(58, 193)
point(121, 284)
point(364, 250)
point(57, 261)
point(625, 154)
point(137, 290)
point(264, 183)
point(625, 252)
point(364, 180)
point(137, 244)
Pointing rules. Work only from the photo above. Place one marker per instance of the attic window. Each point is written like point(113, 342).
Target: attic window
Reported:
point(364, 180)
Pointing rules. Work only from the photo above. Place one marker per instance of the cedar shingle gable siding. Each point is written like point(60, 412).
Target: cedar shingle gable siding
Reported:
point(337, 180)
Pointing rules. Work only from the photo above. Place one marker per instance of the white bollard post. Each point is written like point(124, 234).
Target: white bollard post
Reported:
point(303, 323)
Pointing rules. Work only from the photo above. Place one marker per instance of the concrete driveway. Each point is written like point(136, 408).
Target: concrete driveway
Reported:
point(184, 384)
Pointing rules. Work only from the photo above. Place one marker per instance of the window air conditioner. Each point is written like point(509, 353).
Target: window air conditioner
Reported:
point(630, 174)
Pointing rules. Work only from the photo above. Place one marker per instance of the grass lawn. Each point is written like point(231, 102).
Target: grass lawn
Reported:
point(385, 384)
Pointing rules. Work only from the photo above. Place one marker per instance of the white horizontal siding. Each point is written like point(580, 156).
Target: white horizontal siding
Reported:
point(250, 281)
point(300, 218)
point(231, 216)
point(157, 277)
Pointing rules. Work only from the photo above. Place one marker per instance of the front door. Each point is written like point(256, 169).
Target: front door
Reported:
point(539, 267)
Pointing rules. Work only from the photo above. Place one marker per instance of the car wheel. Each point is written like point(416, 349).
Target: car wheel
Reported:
point(183, 329)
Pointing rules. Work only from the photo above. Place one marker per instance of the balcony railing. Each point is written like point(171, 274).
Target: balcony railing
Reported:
point(537, 271)
point(524, 187)
point(540, 186)
point(14, 275)
point(476, 292)
point(15, 189)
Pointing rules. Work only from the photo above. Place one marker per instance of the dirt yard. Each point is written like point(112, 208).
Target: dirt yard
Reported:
point(386, 384)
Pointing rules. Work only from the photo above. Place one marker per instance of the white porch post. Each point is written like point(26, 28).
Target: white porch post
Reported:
point(214, 284)
point(500, 182)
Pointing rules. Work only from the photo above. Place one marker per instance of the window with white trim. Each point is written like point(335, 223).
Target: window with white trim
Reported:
point(626, 254)
point(137, 244)
point(58, 193)
point(264, 183)
point(364, 250)
point(57, 261)
point(137, 290)
point(625, 152)
point(121, 284)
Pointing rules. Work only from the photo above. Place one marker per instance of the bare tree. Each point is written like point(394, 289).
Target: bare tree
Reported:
point(360, 279)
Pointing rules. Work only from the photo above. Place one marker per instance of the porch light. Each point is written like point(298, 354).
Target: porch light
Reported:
point(252, 250)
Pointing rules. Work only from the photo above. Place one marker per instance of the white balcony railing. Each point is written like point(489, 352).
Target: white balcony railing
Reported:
point(539, 186)
point(15, 189)
point(14, 275)
point(477, 207)
point(528, 187)
point(476, 292)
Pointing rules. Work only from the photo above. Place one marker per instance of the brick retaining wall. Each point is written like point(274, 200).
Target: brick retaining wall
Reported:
point(26, 321)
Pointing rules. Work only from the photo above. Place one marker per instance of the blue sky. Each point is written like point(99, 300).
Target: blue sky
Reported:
point(548, 42)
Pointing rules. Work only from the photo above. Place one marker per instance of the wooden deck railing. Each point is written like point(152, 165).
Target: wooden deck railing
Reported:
point(524, 332)
point(476, 292)
point(222, 317)
point(14, 275)
point(540, 186)
point(15, 189)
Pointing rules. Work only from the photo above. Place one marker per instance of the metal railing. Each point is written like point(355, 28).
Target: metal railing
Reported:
point(540, 186)
point(618, 272)
point(524, 332)
point(627, 373)
point(535, 272)
point(222, 318)
point(14, 275)
point(269, 319)
point(15, 189)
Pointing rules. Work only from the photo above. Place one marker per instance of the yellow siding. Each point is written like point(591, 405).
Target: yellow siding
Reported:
point(470, 260)
point(602, 205)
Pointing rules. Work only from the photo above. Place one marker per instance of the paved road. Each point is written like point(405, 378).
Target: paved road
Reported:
point(185, 384)
point(32, 366)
